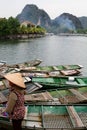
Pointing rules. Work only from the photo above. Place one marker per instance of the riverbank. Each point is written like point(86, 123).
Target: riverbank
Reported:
point(22, 36)
point(71, 34)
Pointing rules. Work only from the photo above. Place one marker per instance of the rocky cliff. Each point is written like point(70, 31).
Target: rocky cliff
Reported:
point(35, 15)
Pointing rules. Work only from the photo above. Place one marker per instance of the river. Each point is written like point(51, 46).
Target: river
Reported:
point(52, 50)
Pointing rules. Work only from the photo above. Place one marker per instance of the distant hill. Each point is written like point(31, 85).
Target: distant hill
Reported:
point(64, 23)
point(83, 21)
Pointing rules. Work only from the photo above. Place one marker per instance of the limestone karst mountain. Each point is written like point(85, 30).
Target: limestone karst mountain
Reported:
point(64, 23)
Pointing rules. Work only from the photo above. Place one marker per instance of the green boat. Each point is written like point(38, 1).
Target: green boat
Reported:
point(61, 82)
point(51, 71)
point(56, 96)
point(36, 96)
point(52, 68)
point(51, 117)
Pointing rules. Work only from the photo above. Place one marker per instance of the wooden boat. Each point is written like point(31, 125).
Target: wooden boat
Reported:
point(52, 68)
point(4, 89)
point(56, 96)
point(37, 74)
point(26, 64)
point(51, 71)
point(70, 72)
point(50, 117)
point(34, 95)
point(61, 82)
point(2, 63)
point(51, 74)
point(66, 94)
point(5, 85)
point(29, 68)
point(16, 67)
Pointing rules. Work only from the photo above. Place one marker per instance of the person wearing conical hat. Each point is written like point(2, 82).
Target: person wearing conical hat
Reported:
point(15, 105)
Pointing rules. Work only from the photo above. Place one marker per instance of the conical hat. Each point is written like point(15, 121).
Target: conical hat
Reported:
point(16, 79)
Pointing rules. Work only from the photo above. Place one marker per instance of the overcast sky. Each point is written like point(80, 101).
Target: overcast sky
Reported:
point(54, 8)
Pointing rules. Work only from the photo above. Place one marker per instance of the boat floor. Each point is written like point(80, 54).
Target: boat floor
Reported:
point(34, 121)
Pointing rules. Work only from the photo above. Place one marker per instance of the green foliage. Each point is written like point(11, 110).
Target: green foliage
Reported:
point(32, 30)
point(23, 30)
point(11, 26)
point(3, 27)
point(82, 31)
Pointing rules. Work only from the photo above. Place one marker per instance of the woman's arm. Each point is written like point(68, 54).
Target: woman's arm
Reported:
point(11, 103)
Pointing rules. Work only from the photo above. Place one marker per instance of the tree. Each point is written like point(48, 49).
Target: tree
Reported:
point(3, 27)
point(13, 25)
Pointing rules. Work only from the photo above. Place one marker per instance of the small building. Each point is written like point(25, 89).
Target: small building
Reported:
point(27, 24)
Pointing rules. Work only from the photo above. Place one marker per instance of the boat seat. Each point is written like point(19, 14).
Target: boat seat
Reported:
point(55, 68)
point(80, 81)
point(75, 119)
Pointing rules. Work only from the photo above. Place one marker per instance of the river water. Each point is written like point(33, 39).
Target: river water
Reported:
point(53, 50)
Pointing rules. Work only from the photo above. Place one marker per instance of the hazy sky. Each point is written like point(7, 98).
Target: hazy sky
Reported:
point(54, 8)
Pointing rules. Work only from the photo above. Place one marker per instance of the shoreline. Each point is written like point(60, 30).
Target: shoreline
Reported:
point(21, 36)
point(74, 34)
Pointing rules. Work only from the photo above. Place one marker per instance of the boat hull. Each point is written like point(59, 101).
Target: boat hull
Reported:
point(61, 82)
